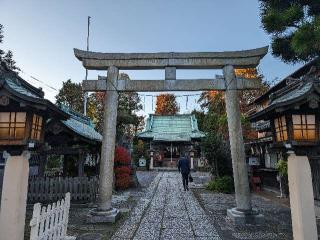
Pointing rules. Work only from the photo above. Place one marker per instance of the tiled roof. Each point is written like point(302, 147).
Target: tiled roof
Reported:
point(175, 128)
point(293, 93)
point(299, 73)
point(81, 124)
point(301, 89)
point(16, 85)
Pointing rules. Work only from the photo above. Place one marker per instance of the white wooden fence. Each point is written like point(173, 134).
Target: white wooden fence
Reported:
point(49, 189)
point(51, 222)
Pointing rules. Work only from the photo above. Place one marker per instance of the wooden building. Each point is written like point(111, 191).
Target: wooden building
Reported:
point(74, 140)
point(23, 114)
point(288, 116)
point(169, 136)
point(30, 122)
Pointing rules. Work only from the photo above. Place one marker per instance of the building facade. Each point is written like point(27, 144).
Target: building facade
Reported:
point(287, 116)
point(170, 136)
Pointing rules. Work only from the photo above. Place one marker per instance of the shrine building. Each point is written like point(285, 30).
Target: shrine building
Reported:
point(171, 136)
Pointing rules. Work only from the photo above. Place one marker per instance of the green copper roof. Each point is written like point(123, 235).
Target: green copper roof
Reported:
point(80, 124)
point(175, 128)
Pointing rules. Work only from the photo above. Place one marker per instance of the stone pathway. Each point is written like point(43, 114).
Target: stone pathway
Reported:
point(167, 212)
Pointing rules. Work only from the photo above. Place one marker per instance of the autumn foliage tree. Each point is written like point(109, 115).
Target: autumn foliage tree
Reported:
point(166, 104)
point(213, 121)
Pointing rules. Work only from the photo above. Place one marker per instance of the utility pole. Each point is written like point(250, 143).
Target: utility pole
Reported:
point(86, 93)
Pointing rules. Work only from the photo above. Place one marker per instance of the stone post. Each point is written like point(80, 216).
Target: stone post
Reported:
point(243, 213)
point(105, 212)
point(151, 160)
point(301, 197)
point(191, 160)
point(14, 197)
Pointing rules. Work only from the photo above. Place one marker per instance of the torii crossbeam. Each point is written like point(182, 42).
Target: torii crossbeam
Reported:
point(171, 61)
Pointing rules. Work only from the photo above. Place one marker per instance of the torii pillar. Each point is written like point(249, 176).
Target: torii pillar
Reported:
point(105, 212)
point(170, 62)
point(242, 213)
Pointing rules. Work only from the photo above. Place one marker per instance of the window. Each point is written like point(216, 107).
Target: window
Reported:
point(36, 127)
point(304, 127)
point(281, 129)
point(12, 125)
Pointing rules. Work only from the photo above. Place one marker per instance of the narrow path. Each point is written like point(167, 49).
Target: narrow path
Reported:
point(167, 212)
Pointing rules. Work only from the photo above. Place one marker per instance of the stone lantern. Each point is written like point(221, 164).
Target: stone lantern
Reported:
point(191, 154)
point(21, 130)
point(23, 114)
point(293, 112)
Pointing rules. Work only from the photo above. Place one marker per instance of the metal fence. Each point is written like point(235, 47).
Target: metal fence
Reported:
point(49, 189)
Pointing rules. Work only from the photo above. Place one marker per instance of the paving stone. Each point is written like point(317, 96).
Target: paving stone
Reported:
point(167, 212)
point(148, 231)
point(176, 223)
point(208, 238)
point(177, 233)
point(256, 235)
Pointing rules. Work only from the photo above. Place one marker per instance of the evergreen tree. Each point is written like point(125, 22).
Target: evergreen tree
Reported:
point(1, 40)
point(71, 95)
point(294, 27)
point(7, 57)
point(128, 122)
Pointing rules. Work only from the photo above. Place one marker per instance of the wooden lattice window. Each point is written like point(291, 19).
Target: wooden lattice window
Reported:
point(36, 127)
point(281, 129)
point(12, 125)
point(304, 127)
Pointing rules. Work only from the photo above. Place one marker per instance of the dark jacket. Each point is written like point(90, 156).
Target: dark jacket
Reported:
point(183, 165)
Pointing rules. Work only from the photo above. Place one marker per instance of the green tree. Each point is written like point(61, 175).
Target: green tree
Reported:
point(213, 121)
point(294, 27)
point(1, 40)
point(71, 95)
point(128, 123)
point(7, 57)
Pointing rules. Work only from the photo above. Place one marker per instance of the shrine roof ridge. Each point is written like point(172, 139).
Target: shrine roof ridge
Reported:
point(257, 52)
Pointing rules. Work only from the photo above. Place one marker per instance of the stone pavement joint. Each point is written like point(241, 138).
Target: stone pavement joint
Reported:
point(167, 212)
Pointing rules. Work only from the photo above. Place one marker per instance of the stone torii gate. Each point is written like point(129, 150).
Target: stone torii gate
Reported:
point(171, 61)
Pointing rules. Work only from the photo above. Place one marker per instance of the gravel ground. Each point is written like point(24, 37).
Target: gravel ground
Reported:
point(124, 200)
point(277, 224)
point(159, 209)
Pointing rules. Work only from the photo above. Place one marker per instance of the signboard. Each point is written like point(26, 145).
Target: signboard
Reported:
point(201, 162)
point(142, 162)
point(254, 161)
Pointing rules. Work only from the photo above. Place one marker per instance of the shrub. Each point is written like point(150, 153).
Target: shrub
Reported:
point(282, 167)
point(122, 156)
point(123, 169)
point(122, 181)
point(222, 184)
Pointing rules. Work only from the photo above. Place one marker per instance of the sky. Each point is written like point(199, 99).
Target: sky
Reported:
point(43, 33)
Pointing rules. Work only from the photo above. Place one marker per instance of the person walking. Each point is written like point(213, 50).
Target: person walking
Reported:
point(184, 169)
